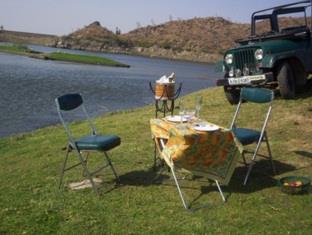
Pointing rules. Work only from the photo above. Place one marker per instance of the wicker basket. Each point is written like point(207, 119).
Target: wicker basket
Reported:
point(164, 90)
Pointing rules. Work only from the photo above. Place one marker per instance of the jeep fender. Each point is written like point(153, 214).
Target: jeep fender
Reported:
point(270, 61)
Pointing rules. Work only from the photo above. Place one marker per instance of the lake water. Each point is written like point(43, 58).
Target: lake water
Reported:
point(29, 86)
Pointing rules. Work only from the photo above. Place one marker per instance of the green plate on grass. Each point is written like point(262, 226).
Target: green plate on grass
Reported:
point(294, 184)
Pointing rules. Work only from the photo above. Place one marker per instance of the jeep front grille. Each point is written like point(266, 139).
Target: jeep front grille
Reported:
point(245, 57)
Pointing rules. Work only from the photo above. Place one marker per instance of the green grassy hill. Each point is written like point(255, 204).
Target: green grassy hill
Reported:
point(147, 202)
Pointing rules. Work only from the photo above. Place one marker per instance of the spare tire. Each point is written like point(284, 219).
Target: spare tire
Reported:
point(286, 81)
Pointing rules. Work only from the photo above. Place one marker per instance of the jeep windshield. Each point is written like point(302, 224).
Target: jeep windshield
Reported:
point(282, 21)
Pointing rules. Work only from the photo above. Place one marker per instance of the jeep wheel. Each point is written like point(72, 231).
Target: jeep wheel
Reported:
point(232, 94)
point(300, 76)
point(286, 81)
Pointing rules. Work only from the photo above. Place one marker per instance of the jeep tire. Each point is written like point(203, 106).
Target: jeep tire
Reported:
point(300, 76)
point(232, 94)
point(286, 82)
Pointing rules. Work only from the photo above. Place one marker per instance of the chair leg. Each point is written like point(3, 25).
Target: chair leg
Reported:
point(68, 149)
point(185, 204)
point(86, 160)
point(252, 161)
point(112, 167)
point(248, 172)
point(270, 154)
point(265, 138)
point(155, 157)
point(179, 189)
point(244, 159)
point(220, 190)
point(88, 174)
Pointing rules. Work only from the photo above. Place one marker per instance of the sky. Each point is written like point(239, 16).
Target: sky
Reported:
point(61, 17)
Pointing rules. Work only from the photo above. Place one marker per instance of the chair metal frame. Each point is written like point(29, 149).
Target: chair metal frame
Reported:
point(72, 146)
point(161, 145)
point(263, 134)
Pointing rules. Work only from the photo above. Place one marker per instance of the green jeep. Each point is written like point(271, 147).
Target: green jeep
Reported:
point(277, 54)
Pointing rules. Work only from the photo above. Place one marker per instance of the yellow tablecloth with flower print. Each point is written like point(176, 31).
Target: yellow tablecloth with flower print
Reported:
point(210, 153)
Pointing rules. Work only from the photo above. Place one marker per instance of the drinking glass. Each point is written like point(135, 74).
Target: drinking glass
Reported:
point(190, 114)
point(199, 102)
point(181, 110)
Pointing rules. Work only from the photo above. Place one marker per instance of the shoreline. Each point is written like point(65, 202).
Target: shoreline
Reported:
point(21, 50)
point(103, 114)
point(157, 55)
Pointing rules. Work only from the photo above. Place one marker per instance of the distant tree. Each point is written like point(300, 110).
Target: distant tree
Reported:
point(170, 18)
point(118, 31)
point(153, 22)
point(1, 28)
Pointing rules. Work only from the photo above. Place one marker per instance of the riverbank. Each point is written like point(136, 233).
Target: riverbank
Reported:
point(60, 56)
point(184, 55)
point(31, 203)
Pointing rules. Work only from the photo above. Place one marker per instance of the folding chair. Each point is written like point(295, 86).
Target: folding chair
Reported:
point(85, 144)
point(249, 136)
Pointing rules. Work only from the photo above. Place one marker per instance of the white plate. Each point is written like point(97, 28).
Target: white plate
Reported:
point(206, 127)
point(176, 118)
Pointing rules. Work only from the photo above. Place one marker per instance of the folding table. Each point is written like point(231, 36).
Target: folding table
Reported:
point(212, 154)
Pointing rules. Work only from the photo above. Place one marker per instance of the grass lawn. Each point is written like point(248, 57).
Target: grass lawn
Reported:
point(60, 56)
point(147, 202)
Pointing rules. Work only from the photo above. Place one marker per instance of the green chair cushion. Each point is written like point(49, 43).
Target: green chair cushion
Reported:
point(246, 136)
point(98, 142)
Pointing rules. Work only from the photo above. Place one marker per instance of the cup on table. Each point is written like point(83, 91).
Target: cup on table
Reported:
point(198, 105)
point(181, 110)
point(189, 114)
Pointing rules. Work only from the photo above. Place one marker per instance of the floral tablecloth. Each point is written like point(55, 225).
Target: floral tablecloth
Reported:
point(210, 153)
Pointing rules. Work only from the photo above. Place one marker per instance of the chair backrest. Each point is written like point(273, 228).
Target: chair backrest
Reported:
point(71, 102)
point(255, 95)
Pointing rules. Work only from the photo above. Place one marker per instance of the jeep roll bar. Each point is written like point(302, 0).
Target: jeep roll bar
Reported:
point(277, 10)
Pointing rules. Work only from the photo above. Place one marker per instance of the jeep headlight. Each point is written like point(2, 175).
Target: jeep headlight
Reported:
point(229, 59)
point(259, 54)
